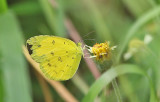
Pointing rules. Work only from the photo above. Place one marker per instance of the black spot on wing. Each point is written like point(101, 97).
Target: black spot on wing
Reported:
point(54, 66)
point(52, 53)
point(49, 65)
point(62, 71)
point(29, 49)
point(60, 59)
point(53, 42)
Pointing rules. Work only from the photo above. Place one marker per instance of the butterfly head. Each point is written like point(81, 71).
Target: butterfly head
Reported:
point(79, 45)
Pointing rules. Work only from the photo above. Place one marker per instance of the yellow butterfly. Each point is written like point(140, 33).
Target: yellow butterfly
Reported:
point(58, 57)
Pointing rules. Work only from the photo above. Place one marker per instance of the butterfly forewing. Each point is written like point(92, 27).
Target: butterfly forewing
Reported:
point(58, 57)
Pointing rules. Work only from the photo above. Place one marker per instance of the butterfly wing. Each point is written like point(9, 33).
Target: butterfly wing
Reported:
point(61, 67)
point(59, 58)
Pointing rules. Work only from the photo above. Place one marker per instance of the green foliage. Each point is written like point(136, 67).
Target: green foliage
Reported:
point(112, 73)
point(13, 66)
point(3, 6)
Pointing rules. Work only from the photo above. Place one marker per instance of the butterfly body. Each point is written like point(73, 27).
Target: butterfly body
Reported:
point(58, 57)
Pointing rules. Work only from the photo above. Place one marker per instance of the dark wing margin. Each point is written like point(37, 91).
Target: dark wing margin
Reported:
point(29, 48)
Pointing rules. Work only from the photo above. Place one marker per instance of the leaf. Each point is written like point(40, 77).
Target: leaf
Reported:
point(111, 74)
point(135, 27)
point(13, 66)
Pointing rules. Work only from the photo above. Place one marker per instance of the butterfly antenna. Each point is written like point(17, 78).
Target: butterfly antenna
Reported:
point(88, 34)
point(90, 40)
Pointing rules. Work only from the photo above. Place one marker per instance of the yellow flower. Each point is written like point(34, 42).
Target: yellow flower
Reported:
point(101, 51)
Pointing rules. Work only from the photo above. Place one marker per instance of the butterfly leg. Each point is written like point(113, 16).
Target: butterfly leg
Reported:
point(113, 47)
point(89, 48)
point(90, 57)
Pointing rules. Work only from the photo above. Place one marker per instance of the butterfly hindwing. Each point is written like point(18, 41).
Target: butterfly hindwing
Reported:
point(61, 67)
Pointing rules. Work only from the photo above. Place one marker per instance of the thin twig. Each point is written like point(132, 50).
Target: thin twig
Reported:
point(75, 36)
point(45, 88)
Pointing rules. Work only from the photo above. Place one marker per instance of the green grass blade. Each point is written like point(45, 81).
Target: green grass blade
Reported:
point(13, 66)
point(29, 8)
point(135, 27)
point(137, 7)
point(116, 90)
point(3, 6)
point(112, 73)
point(54, 17)
point(99, 24)
point(1, 87)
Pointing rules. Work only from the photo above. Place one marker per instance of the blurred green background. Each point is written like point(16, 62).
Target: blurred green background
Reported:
point(132, 25)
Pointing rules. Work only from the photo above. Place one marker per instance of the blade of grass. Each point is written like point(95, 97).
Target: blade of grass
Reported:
point(79, 82)
point(135, 27)
point(60, 18)
point(29, 8)
point(137, 7)
point(128, 89)
point(112, 73)
point(102, 30)
point(13, 66)
point(54, 18)
point(116, 90)
point(3, 6)
point(1, 86)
